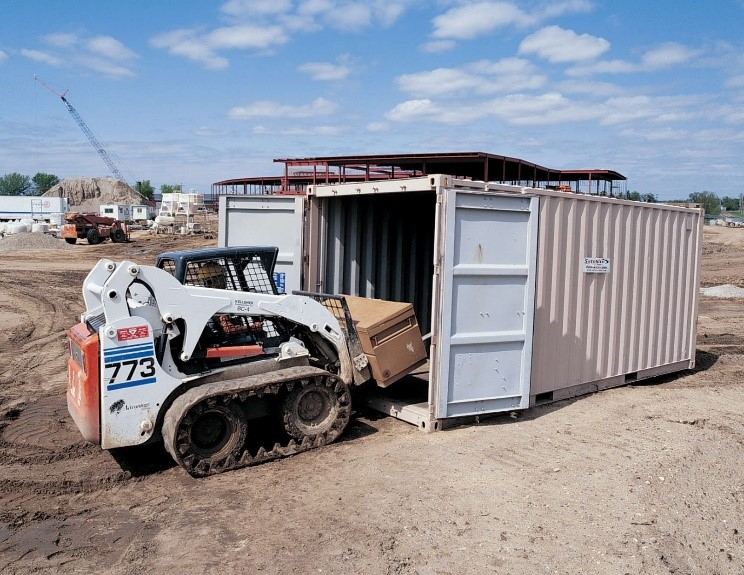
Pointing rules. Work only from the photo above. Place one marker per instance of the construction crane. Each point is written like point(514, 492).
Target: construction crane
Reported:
point(86, 130)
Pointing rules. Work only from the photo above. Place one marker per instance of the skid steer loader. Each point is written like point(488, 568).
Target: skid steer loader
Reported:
point(224, 370)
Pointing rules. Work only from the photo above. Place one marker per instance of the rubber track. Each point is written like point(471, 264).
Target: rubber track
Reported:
point(241, 389)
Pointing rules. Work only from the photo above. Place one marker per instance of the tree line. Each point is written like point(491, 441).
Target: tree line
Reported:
point(638, 197)
point(712, 204)
point(15, 184)
point(146, 190)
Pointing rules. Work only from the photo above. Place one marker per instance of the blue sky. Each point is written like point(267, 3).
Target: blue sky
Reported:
point(193, 91)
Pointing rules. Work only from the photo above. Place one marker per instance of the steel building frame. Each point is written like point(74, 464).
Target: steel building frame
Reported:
point(302, 172)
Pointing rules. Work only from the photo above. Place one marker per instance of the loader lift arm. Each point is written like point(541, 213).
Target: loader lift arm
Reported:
point(107, 285)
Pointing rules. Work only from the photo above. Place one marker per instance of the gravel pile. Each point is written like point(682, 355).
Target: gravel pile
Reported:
point(31, 241)
point(724, 291)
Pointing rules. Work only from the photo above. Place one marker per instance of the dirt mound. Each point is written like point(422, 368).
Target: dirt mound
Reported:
point(31, 241)
point(87, 194)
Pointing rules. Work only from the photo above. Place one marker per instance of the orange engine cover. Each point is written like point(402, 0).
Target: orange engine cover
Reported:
point(83, 395)
point(69, 231)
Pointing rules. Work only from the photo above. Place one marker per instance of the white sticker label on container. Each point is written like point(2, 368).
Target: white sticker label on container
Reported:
point(596, 266)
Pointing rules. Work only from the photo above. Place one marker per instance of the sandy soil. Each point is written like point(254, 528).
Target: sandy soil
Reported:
point(639, 479)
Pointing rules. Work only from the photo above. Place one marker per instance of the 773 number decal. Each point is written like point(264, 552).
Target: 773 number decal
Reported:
point(131, 369)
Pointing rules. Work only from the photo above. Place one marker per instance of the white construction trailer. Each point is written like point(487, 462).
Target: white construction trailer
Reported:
point(122, 212)
point(528, 295)
point(38, 208)
point(142, 212)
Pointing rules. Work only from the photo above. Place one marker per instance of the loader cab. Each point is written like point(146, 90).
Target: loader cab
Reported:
point(248, 269)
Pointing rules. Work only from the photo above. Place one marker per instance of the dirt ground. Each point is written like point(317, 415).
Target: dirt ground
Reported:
point(640, 479)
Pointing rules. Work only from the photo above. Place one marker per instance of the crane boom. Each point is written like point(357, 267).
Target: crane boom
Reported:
point(93, 140)
point(86, 130)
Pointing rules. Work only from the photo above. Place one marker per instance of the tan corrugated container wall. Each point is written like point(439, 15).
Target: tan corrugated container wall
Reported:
point(642, 315)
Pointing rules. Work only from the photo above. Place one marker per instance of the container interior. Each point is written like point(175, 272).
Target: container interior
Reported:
point(381, 246)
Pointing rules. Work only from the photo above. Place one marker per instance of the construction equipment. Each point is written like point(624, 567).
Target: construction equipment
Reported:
point(94, 228)
point(97, 146)
point(225, 371)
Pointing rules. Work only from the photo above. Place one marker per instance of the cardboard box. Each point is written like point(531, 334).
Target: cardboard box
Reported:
point(389, 335)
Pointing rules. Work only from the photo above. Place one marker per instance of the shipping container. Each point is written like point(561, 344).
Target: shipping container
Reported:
point(34, 207)
point(266, 221)
point(122, 212)
point(527, 295)
point(524, 295)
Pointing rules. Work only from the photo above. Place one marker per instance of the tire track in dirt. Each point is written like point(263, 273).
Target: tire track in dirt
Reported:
point(33, 353)
point(51, 480)
point(41, 451)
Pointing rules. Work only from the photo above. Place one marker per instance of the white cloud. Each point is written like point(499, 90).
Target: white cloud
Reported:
point(387, 13)
point(557, 44)
point(188, 44)
point(471, 20)
point(505, 67)
point(413, 110)
point(299, 131)
point(437, 82)
point(315, 7)
point(657, 58)
point(377, 127)
point(736, 117)
point(3, 56)
point(346, 15)
point(105, 66)
point(604, 67)
point(353, 14)
point(468, 20)
point(203, 48)
point(590, 88)
point(666, 55)
point(481, 77)
point(103, 54)
point(262, 25)
point(555, 9)
point(109, 47)
point(325, 71)
point(256, 7)
point(436, 46)
point(61, 39)
point(39, 56)
point(550, 108)
point(245, 36)
point(208, 132)
point(655, 135)
point(735, 82)
point(270, 109)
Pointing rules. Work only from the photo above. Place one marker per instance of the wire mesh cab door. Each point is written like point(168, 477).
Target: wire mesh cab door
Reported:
point(240, 269)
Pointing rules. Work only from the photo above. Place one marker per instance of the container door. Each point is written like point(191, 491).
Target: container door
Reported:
point(486, 284)
point(274, 221)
